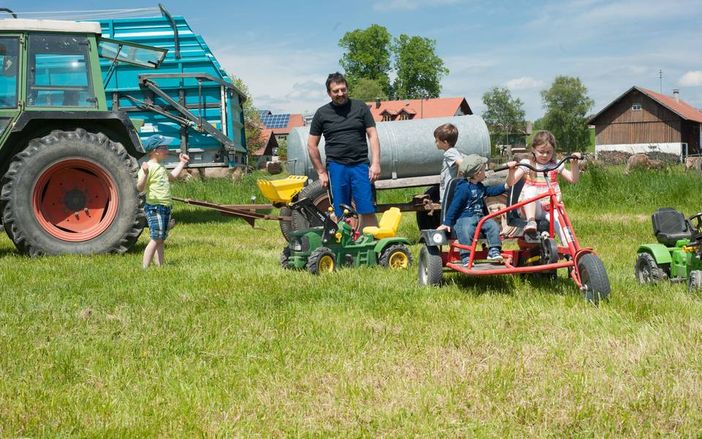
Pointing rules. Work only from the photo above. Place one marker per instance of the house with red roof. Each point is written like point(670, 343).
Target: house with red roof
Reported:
point(641, 120)
point(281, 123)
point(385, 111)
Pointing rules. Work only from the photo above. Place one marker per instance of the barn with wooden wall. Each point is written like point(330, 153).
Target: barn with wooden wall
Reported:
point(641, 120)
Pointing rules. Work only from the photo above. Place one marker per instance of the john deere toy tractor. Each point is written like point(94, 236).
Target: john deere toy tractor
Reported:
point(677, 256)
point(328, 244)
point(68, 165)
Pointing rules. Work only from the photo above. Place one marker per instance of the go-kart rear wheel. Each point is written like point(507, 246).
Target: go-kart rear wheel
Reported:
point(321, 261)
point(694, 281)
point(396, 256)
point(549, 251)
point(593, 277)
point(647, 270)
point(430, 266)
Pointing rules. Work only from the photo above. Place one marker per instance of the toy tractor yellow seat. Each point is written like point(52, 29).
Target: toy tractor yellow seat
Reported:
point(670, 226)
point(387, 228)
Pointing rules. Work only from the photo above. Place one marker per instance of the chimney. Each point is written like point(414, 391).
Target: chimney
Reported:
point(377, 102)
point(676, 95)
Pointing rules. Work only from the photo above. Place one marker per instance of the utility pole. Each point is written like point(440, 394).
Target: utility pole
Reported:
point(660, 81)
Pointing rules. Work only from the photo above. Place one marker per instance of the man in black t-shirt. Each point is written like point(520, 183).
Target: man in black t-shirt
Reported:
point(345, 124)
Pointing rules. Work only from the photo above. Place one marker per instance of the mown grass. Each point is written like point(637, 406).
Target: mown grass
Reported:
point(222, 342)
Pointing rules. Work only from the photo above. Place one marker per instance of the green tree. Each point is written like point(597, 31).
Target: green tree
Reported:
point(252, 123)
point(504, 114)
point(368, 90)
point(419, 70)
point(567, 106)
point(367, 56)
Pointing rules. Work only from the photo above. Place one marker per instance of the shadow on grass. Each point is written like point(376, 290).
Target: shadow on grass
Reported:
point(506, 285)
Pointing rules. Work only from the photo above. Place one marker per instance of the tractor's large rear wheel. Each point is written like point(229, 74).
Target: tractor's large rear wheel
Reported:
point(72, 192)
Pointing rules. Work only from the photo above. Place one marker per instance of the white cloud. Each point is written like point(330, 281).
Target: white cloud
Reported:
point(691, 79)
point(282, 79)
point(524, 83)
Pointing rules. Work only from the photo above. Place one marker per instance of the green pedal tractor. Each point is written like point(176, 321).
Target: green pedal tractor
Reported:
point(329, 244)
point(677, 256)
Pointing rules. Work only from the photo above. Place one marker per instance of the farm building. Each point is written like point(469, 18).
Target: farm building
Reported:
point(384, 111)
point(643, 121)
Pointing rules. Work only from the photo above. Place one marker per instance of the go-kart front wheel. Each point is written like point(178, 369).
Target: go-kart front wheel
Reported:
point(593, 277)
point(430, 266)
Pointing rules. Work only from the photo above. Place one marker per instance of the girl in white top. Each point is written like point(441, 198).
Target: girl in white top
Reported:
point(543, 146)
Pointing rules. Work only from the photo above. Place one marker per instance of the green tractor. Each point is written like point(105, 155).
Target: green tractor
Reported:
point(677, 256)
point(67, 165)
point(321, 249)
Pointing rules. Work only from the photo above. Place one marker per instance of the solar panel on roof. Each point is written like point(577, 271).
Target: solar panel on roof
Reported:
point(276, 120)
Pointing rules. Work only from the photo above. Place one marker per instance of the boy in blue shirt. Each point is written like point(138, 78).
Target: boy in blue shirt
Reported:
point(468, 206)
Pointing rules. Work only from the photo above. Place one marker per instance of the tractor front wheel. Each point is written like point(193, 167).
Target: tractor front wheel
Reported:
point(321, 261)
point(647, 270)
point(72, 192)
point(396, 256)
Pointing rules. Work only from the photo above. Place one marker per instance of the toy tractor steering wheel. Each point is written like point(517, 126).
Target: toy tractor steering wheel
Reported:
point(697, 225)
point(348, 211)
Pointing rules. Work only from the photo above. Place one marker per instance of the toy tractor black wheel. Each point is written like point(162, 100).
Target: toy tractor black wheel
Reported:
point(285, 258)
point(647, 270)
point(321, 261)
point(396, 256)
point(694, 281)
point(431, 269)
point(426, 221)
point(593, 277)
point(72, 192)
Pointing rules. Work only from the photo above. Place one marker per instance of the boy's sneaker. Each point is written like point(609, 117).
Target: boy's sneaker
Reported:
point(494, 254)
point(530, 226)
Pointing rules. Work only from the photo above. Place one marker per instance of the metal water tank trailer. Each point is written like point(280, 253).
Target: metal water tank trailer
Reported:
point(407, 147)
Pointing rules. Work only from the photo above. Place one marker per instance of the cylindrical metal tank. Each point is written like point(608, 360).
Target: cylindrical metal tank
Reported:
point(407, 147)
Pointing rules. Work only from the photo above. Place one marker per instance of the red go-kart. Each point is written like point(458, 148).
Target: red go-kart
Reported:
point(538, 252)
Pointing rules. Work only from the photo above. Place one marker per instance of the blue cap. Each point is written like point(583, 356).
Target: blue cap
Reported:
point(157, 141)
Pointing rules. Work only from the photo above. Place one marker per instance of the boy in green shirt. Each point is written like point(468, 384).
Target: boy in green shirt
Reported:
point(155, 180)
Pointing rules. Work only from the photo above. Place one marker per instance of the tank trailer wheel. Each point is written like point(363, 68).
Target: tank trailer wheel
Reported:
point(647, 270)
point(285, 226)
point(72, 192)
point(694, 281)
point(431, 269)
point(396, 256)
point(593, 278)
point(321, 261)
point(424, 220)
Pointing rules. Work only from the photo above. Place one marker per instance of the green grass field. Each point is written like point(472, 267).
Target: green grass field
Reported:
point(223, 342)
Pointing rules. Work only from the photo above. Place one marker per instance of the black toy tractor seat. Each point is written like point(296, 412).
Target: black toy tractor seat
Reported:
point(670, 226)
point(513, 217)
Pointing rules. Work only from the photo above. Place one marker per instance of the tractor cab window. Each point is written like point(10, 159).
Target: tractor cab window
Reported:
point(8, 71)
point(59, 72)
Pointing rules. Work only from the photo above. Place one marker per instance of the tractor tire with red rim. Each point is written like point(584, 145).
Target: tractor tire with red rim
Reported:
point(320, 198)
point(72, 192)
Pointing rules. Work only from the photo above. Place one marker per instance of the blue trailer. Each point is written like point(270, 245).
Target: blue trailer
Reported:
point(190, 97)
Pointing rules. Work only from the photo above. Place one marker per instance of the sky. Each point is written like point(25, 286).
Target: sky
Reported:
point(283, 51)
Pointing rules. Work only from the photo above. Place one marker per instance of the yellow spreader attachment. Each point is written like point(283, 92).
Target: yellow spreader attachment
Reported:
point(283, 190)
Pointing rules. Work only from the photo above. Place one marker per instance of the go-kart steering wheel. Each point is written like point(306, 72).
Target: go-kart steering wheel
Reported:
point(698, 221)
point(351, 212)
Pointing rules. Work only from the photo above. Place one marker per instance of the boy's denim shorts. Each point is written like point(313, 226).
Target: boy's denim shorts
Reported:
point(158, 217)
